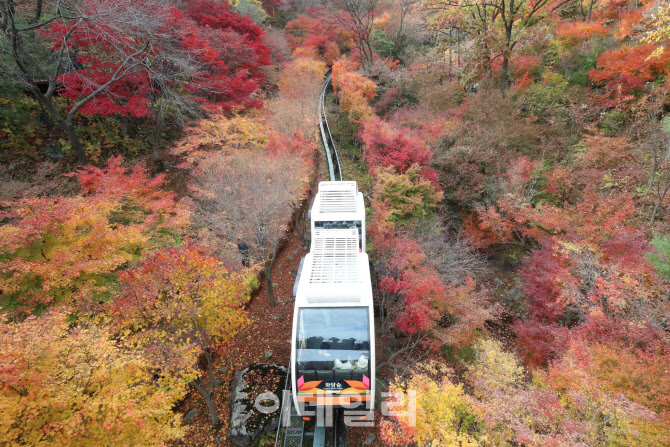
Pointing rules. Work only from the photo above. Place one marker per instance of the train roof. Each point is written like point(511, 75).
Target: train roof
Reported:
point(338, 201)
point(335, 272)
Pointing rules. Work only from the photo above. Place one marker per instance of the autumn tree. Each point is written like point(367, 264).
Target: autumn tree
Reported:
point(134, 59)
point(486, 131)
point(497, 26)
point(249, 197)
point(428, 297)
point(386, 146)
point(67, 248)
point(408, 195)
point(520, 215)
point(629, 68)
point(316, 32)
point(125, 33)
point(221, 133)
point(357, 18)
point(178, 305)
point(354, 90)
point(493, 367)
point(630, 397)
point(575, 402)
point(295, 110)
point(660, 30)
point(71, 385)
point(432, 411)
point(233, 58)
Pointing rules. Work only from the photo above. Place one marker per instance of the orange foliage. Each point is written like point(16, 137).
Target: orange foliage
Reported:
point(629, 20)
point(617, 378)
point(354, 90)
point(65, 247)
point(341, 66)
point(523, 66)
point(629, 68)
point(514, 217)
point(573, 33)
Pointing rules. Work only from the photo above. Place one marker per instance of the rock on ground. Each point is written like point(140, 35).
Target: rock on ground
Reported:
point(247, 423)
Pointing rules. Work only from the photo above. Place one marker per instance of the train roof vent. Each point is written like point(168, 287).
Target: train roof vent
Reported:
point(337, 197)
point(334, 257)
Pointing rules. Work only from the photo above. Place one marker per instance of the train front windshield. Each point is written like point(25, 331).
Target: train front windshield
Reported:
point(333, 350)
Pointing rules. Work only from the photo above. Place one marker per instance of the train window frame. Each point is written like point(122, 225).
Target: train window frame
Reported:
point(323, 360)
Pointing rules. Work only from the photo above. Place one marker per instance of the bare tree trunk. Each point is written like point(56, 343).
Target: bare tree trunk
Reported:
point(206, 391)
point(38, 10)
point(156, 141)
point(509, 45)
point(207, 395)
point(663, 185)
point(67, 124)
point(458, 47)
point(588, 19)
point(75, 142)
point(503, 74)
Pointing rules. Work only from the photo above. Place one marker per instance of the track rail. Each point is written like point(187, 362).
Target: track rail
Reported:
point(334, 167)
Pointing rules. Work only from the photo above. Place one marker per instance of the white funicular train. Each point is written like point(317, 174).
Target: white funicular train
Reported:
point(339, 205)
point(333, 345)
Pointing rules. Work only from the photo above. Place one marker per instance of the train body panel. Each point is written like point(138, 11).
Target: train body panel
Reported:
point(339, 205)
point(333, 344)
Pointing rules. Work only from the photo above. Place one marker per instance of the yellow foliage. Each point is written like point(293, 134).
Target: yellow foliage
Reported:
point(219, 133)
point(660, 29)
point(443, 413)
point(75, 387)
point(380, 22)
point(494, 367)
point(180, 303)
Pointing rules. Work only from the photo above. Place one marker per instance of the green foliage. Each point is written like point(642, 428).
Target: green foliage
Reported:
point(544, 96)
point(24, 133)
point(583, 63)
point(612, 122)
point(665, 122)
point(408, 196)
point(452, 354)
point(381, 44)
point(21, 130)
point(661, 259)
point(252, 8)
point(104, 136)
